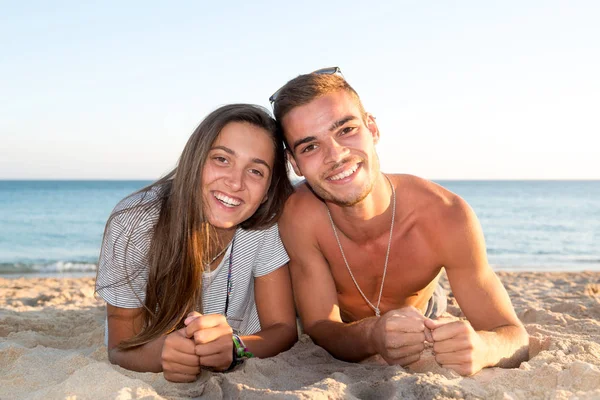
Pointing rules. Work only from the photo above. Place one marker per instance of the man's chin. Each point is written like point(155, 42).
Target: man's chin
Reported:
point(348, 202)
point(342, 201)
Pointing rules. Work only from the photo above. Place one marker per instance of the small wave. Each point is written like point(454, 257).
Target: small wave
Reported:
point(588, 260)
point(546, 253)
point(56, 267)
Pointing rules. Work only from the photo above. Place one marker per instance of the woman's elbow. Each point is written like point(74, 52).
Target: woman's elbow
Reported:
point(292, 335)
point(114, 356)
point(288, 335)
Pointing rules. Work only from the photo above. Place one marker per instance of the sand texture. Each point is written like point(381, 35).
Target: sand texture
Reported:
point(52, 347)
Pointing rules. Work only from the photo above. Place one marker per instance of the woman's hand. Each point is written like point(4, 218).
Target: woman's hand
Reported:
point(212, 336)
point(178, 358)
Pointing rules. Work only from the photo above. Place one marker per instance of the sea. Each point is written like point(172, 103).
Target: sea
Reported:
point(54, 228)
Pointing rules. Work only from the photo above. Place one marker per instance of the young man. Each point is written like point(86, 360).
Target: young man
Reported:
point(367, 248)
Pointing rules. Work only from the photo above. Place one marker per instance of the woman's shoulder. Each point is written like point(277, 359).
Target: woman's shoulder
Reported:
point(145, 203)
point(138, 212)
point(144, 197)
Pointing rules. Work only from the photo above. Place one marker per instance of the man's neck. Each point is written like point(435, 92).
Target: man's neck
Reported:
point(368, 219)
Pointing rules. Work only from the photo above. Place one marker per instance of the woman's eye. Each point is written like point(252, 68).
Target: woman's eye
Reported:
point(256, 172)
point(220, 159)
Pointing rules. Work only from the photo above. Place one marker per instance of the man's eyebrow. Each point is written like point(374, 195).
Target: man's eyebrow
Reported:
point(333, 127)
point(341, 122)
point(230, 151)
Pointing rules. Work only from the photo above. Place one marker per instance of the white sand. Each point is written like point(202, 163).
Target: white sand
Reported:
point(51, 347)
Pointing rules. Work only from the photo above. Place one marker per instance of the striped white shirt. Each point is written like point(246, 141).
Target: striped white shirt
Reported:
point(123, 265)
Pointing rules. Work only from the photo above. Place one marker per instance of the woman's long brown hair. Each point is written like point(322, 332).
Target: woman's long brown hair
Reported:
point(181, 238)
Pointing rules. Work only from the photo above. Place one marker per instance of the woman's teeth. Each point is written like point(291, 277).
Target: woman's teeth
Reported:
point(226, 200)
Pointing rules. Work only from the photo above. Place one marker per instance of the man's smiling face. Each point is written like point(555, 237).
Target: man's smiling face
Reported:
point(332, 145)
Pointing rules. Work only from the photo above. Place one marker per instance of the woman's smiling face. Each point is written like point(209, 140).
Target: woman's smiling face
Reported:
point(237, 174)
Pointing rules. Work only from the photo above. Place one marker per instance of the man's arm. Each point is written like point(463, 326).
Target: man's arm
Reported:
point(314, 290)
point(315, 295)
point(493, 336)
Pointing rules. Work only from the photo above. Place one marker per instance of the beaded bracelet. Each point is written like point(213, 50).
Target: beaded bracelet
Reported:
point(240, 352)
point(240, 348)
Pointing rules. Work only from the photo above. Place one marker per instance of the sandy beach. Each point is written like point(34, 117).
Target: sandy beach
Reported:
point(52, 347)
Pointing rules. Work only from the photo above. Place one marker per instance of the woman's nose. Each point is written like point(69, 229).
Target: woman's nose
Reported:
point(235, 179)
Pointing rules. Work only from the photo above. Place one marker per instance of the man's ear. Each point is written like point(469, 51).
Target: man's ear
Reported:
point(372, 127)
point(292, 161)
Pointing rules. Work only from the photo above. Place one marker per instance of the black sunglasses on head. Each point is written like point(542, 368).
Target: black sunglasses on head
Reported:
point(322, 71)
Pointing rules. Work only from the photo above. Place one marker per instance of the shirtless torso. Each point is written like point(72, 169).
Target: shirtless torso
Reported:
point(414, 264)
point(331, 142)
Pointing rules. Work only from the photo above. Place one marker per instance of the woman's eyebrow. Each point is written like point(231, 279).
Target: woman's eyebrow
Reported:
point(261, 161)
point(232, 152)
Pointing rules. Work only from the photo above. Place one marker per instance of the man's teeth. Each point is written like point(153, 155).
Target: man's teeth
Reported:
point(226, 200)
point(344, 174)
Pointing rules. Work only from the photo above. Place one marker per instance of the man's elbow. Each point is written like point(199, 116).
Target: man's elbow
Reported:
point(322, 334)
point(314, 330)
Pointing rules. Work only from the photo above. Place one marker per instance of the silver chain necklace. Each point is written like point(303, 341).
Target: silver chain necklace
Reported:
point(387, 254)
point(207, 265)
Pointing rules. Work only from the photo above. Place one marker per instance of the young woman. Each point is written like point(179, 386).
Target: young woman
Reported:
point(192, 266)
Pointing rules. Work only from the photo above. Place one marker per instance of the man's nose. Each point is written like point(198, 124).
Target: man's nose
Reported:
point(335, 151)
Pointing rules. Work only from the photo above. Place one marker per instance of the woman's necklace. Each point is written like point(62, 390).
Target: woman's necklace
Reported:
point(387, 255)
point(229, 285)
point(207, 265)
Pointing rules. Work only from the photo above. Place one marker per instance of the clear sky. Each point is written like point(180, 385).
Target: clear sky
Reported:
point(460, 89)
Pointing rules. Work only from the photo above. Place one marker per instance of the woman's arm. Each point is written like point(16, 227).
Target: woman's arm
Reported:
point(276, 312)
point(172, 354)
point(275, 306)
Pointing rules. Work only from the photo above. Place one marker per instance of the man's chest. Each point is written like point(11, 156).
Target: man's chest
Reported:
point(404, 279)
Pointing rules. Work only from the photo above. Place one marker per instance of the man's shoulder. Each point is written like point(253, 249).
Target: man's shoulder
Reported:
point(444, 220)
point(302, 197)
point(302, 208)
point(420, 191)
point(433, 202)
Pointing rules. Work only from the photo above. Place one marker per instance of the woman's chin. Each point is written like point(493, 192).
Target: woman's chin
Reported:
point(225, 224)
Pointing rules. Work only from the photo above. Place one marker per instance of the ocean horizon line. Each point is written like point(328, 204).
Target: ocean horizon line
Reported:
point(431, 179)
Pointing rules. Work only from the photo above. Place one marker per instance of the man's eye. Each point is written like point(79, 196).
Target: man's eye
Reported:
point(308, 148)
point(347, 129)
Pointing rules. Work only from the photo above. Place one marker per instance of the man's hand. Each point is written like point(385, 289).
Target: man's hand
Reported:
point(212, 337)
point(457, 346)
point(178, 358)
point(399, 336)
